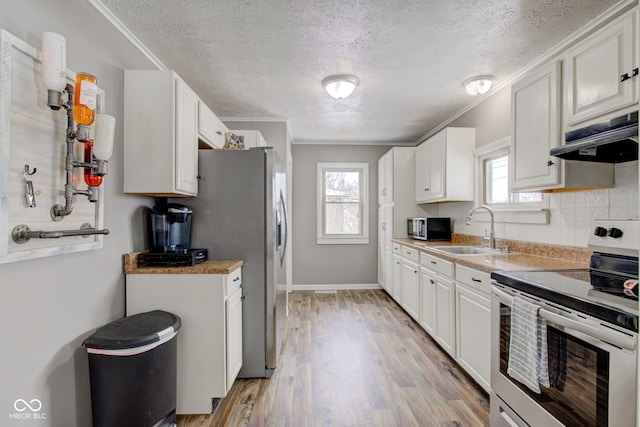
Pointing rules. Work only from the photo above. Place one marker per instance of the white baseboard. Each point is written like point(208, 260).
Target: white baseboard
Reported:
point(336, 287)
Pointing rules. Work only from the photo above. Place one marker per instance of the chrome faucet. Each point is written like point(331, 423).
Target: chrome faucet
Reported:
point(492, 233)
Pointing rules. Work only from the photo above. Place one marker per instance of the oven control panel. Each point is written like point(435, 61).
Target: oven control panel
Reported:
point(620, 237)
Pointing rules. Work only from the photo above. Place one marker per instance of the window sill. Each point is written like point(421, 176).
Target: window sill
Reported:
point(342, 241)
point(519, 216)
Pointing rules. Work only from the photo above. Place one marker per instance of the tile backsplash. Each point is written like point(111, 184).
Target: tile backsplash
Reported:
point(571, 213)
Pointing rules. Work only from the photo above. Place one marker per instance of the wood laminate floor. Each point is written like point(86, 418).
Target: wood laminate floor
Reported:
point(353, 358)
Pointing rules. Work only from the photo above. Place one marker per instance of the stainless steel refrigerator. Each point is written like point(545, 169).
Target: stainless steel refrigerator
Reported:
point(240, 213)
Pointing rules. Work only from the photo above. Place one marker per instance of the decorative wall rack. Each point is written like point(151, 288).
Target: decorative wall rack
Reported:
point(34, 162)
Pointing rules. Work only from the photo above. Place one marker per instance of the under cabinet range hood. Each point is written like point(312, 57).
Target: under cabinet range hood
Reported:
point(613, 141)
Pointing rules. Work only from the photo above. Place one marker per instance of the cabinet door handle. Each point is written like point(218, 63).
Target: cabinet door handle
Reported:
point(242, 297)
point(550, 163)
point(624, 77)
point(433, 282)
point(218, 132)
point(476, 280)
point(236, 279)
point(426, 189)
point(634, 72)
point(433, 262)
point(415, 271)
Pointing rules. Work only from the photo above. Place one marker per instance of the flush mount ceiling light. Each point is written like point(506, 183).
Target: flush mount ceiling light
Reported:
point(478, 85)
point(340, 86)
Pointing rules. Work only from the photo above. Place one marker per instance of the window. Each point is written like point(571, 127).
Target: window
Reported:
point(496, 183)
point(343, 208)
point(493, 189)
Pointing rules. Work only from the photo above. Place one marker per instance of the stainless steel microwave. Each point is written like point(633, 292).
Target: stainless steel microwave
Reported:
point(431, 229)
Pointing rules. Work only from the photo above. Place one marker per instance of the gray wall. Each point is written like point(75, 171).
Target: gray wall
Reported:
point(491, 118)
point(335, 265)
point(49, 305)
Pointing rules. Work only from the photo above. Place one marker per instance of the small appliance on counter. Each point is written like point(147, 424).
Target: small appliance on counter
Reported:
point(170, 230)
point(431, 229)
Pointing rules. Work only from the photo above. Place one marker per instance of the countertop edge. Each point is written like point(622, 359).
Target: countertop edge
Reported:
point(494, 262)
point(210, 266)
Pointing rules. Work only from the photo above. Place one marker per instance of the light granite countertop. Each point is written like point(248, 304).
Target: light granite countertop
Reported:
point(210, 266)
point(575, 258)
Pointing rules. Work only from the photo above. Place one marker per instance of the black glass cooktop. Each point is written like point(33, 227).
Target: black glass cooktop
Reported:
point(609, 297)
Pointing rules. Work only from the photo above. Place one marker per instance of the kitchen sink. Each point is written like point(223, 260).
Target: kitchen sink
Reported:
point(465, 250)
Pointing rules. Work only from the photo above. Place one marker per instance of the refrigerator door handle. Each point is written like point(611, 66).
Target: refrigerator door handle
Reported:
point(283, 203)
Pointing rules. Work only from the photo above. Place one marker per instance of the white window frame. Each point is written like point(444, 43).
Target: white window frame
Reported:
point(512, 212)
point(344, 239)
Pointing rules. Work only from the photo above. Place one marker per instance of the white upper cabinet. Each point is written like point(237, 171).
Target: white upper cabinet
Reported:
point(251, 138)
point(594, 70)
point(444, 166)
point(160, 134)
point(211, 130)
point(385, 178)
point(535, 127)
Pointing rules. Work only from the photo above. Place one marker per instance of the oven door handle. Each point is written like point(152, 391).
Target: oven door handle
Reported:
point(618, 340)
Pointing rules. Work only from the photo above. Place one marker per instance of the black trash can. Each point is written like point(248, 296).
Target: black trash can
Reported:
point(132, 369)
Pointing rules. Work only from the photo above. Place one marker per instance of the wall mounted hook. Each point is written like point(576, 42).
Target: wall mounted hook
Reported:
point(27, 168)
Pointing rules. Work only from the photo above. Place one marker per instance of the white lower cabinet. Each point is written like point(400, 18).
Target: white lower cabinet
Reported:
point(451, 302)
point(473, 324)
point(234, 335)
point(210, 339)
point(445, 315)
point(438, 308)
point(428, 301)
point(411, 288)
point(396, 286)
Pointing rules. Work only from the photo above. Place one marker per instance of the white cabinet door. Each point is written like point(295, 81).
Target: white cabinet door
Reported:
point(381, 180)
point(445, 315)
point(397, 279)
point(411, 288)
point(160, 134)
point(535, 127)
point(473, 334)
point(594, 68)
point(423, 172)
point(210, 128)
point(388, 269)
point(186, 139)
point(389, 173)
point(436, 170)
point(444, 166)
point(234, 336)
point(381, 267)
point(428, 301)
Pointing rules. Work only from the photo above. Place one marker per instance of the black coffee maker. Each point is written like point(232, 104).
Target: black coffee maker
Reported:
point(170, 230)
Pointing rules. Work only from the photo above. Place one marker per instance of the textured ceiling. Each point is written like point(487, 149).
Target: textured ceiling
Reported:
point(266, 59)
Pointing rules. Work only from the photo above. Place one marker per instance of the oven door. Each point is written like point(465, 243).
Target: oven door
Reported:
point(592, 370)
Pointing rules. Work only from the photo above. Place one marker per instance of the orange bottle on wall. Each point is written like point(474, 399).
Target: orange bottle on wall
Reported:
point(90, 179)
point(85, 100)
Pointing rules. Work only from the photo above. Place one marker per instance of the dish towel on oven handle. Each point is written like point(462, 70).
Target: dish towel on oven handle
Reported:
point(528, 346)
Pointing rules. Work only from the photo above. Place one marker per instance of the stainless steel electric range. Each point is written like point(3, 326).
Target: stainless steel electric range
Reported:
point(591, 337)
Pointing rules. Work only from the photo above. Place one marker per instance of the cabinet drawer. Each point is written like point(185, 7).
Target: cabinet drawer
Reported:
point(410, 254)
point(476, 279)
point(436, 264)
point(397, 249)
point(233, 281)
